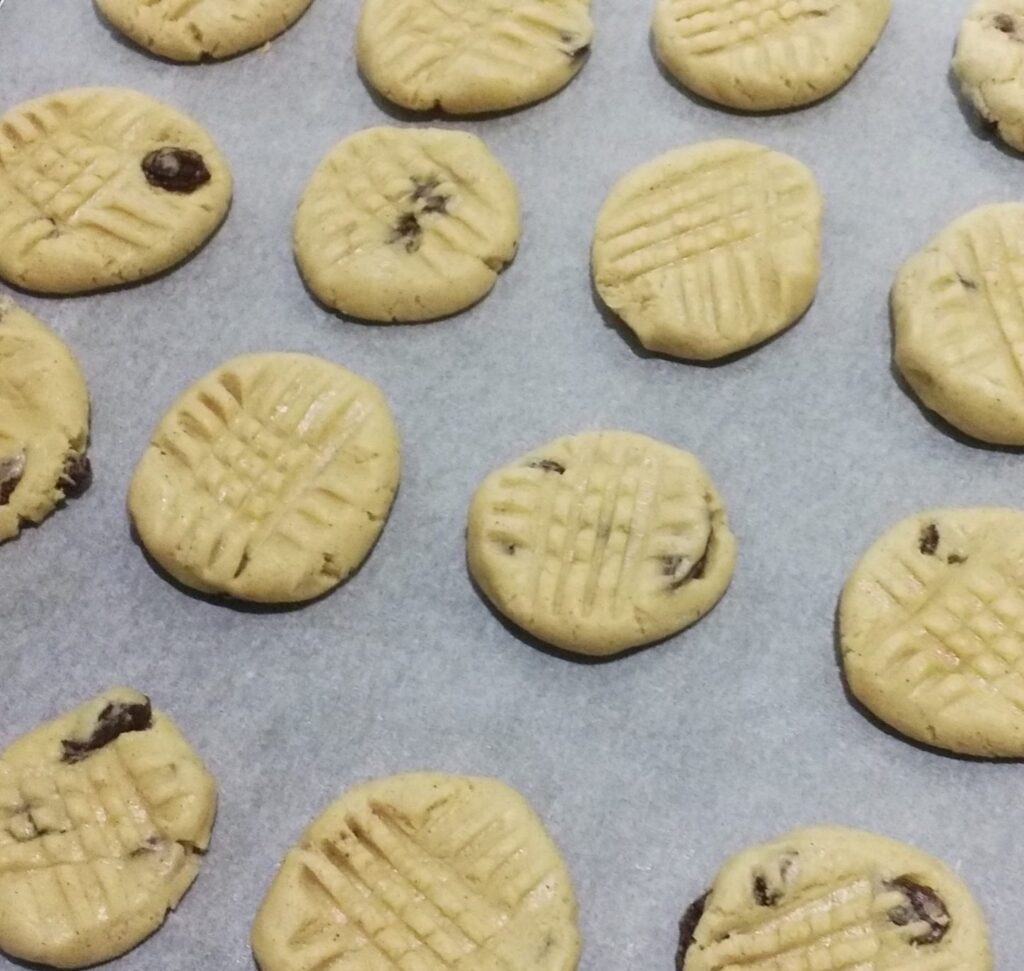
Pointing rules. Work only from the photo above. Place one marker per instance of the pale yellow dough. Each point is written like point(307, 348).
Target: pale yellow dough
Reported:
point(601, 542)
point(44, 421)
point(190, 30)
point(425, 873)
point(406, 224)
point(828, 897)
point(765, 55)
point(471, 56)
point(77, 211)
point(932, 630)
point(269, 480)
point(711, 249)
point(103, 814)
point(958, 320)
point(989, 63)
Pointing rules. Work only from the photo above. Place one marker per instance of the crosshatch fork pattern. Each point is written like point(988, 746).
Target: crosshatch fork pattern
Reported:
point(712, 26)
point(433, 893)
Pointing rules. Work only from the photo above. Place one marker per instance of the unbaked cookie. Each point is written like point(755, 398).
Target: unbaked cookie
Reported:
point(762, 55)
point(708, 250)
point(103, 186)
point(103, 815)
point(430, 872)
point(268, 480)
point(989, 63)
point(191, 30)
point(600, 542)
point(406, 224)
point(932, 630)
point(958, 318)
point(44, 421)
point(828, 897)
point(471, 56)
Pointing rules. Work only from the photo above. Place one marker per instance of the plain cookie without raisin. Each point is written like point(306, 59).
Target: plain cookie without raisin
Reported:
point(104, 813)
point(830, 897)
point(600, 542)
point(44, 421)
point(406, 224)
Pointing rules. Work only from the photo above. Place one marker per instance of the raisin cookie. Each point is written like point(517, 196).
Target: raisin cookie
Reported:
point(103, 815)
point(421, 871)
point(192, 30)
point(101, 187)
point(958, 321)
point(472, 56)
point(44, 421)
point(764, 55)
point(989, 63)
point(406, 224)
point(269, 480)
point(601, 542)
point(711, 249)
point(932, 630)
point(829, 897)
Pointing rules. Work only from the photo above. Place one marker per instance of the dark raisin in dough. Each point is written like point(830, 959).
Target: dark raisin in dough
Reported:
point(922, 904)
point(929, 541)
point(77, 475)
point(175, 169)
point(688, 927)
point(548, 465)
point(11, 471)
point(116, 719)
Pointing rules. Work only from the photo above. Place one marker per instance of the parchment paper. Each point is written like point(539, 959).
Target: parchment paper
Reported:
point(649, 770)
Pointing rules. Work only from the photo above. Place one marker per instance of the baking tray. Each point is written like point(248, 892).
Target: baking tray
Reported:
point(649, 770)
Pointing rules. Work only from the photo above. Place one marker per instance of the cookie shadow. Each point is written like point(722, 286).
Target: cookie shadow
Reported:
point(409, 116)
point(128, 285)
point(982, 129)
point(934, 418)
point(614, 322)
point(248, 606)
point(701, 102)
point(30, 965)
point(872, 718)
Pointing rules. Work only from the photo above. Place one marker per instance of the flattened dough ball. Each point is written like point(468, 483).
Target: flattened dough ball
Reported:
point(44, 421)
point(104, 813)
point(269, 480)
point(191, 30)
point(601, 542)
point(932, 630)
point(103, 186)
point(989, 63)
point(958, 316)
point(471, 56)
point(421, 871)
point(711, 249)
point(406, 224)
point(765, 55)
point(830, 897)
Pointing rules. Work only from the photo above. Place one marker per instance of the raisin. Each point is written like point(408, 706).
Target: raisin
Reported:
point(764, 897)
point(671, 565)
point(175, 169)
point(548, 465)
point(1004, 22)
point(688, 927)
point(408, 229)
point(954, 559)
point(426, 192)
point(929, 540)
point(11, 471)
point(922, 905)
point(114, 720)
point(77, 475)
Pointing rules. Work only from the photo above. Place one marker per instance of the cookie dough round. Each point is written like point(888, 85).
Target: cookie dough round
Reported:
point(989, 63)
point(708, 250)
point(269, 480)
point(932, 630)
point(829, 897)
point(44, 421)
point(421, 871)
point(765, 55)
point(192, 30)
point(957, 319)
point(406, 224)
point(472, 56)
point(600, 542)
point(104, 812)
point(103, 186)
